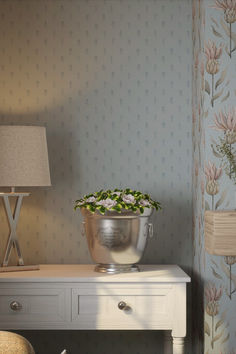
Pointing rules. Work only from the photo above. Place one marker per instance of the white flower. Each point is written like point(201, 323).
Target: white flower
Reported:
point(144, 202)
point(117, 193)
point(91, 200)
point(128, 198)
point(107, 203)
point(80, 203)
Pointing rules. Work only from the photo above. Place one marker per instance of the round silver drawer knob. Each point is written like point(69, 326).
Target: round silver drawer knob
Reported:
point(122, 305)
point(15, 306)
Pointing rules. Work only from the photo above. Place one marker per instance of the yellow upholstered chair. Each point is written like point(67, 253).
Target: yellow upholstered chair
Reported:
point(12, 343)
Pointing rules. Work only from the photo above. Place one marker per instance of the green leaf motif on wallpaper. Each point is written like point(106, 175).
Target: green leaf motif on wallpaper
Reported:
point(215, 263)
point(214, 21)
point(217, 337)
point(225, 339)
point(207, 87)
point(218, 324)
point(217, 95)
point(225, 97)
point(221, 79)
point(216, 33)
point(227, 152)
point(222, 199)
point(216, 275)
point(215, 152)
point(207, 329)
point(231, 35)
point(223, 317)
point(232, 279)
point(207, 206)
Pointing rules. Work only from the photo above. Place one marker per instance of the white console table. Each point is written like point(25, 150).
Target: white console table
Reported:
point(76, 297)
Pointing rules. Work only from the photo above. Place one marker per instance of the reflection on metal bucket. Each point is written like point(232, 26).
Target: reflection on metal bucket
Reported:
point(117, 240)
point(112, 238)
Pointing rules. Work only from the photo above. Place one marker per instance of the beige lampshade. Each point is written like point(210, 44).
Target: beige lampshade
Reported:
point(220, 232)
point(23, 156)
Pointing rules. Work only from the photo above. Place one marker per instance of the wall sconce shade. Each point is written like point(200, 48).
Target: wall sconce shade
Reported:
point(23, 156)
point(220, 232)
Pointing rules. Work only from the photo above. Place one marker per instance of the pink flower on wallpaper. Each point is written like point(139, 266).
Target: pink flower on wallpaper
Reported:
point(212, 175)
point(229, 8)
point(211, 172)
point(212, 296)
point(212, 55)
point(225, 4)
point(227, 123)
point(211, 51)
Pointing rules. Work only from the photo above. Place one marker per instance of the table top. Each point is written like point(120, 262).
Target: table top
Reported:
point(85, 273)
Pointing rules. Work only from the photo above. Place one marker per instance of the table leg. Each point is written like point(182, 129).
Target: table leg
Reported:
point(168, 342)
point(178, 345)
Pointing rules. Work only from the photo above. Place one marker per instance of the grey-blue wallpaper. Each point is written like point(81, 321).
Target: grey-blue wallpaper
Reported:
point(111, 81)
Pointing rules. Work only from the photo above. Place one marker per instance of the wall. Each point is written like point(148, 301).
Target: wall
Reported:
point(111, 81)
point(198, 23)
point(214, 127)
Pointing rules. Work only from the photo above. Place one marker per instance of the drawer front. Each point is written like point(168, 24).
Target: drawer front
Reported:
point(32, 305)
point(105, 309)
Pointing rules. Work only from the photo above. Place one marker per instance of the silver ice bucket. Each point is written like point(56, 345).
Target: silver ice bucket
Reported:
point(117, 241)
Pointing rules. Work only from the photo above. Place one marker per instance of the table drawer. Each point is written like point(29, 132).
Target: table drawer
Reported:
point(32, 305)
point(102, 309)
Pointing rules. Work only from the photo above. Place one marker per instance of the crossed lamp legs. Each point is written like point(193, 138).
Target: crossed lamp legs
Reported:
point(12, 239)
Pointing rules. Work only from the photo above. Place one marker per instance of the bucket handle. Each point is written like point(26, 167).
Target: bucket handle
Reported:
point(82, 228)
point(150, 230)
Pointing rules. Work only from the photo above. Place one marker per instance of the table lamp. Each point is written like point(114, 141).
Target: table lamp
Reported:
point(23, 163)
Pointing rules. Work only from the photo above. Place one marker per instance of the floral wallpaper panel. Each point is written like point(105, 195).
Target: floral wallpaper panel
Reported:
point(217, 118)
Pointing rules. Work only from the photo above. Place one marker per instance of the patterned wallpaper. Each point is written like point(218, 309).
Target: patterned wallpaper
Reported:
point(215, 121)
point(198, 24)
point(111, 81)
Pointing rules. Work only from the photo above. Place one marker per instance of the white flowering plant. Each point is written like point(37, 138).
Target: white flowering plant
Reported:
point(117, 200)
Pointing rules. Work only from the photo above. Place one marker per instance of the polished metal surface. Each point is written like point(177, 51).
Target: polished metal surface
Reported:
point(15, 306)
point(117, 241)
point(122, 305)
point(116, 268)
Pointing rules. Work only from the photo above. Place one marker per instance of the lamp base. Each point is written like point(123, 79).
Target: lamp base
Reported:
point(19, 268)
point(13, 220)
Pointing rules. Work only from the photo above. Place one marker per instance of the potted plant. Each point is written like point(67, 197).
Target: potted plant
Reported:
point(116, 226)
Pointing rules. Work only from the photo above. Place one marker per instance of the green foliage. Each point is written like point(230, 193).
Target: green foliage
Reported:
point(228, 153)
point(117, 200)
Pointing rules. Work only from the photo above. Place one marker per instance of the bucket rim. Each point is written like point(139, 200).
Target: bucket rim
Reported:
point(114, 214)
